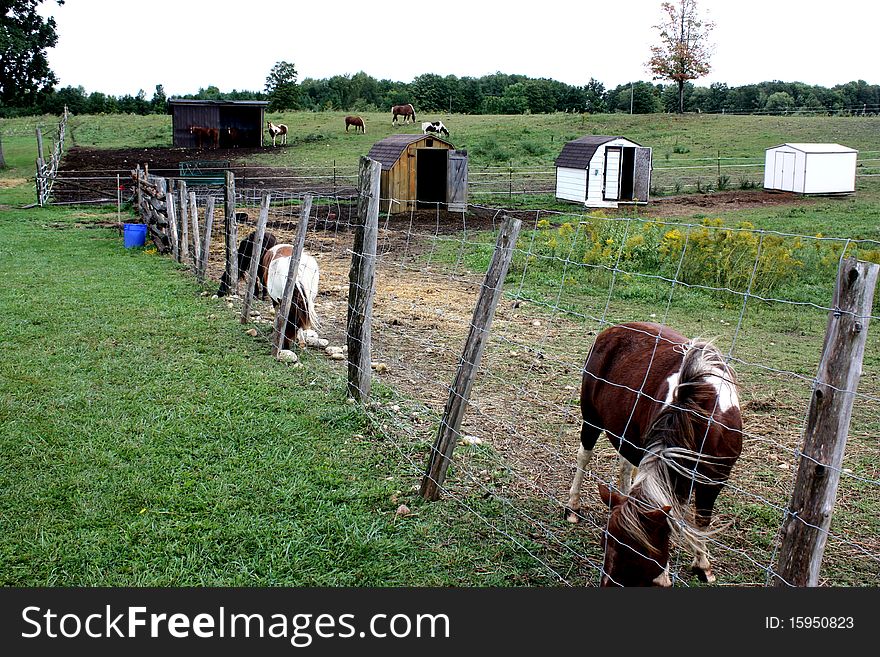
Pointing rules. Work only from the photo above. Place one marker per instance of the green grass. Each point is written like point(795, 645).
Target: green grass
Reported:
point(146, 440)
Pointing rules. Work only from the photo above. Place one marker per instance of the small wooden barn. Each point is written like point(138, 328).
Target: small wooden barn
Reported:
point(810, 168)
point(420, 171)
point(603, 172)
point(239, 122)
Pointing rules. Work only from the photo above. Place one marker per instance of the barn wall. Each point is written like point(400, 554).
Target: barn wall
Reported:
point(571, 184)
point(185, 116)
point(830, 173)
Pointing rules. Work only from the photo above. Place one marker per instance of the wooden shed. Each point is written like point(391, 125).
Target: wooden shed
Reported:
point(239, 122)
point(603, 172)
point(420, 171)
point(810, 168)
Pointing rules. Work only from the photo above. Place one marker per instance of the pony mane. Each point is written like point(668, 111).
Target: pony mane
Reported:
point(672, 452)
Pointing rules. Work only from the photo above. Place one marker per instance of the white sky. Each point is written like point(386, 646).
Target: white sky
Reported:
point(120, 47)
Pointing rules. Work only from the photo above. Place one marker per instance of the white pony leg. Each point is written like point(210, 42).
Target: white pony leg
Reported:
point(574, 494)
point(624, 475)
point(700, 565)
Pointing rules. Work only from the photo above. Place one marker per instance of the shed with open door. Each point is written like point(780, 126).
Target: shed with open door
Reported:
point(421, 171)
point(603, 172)
point(810, 168)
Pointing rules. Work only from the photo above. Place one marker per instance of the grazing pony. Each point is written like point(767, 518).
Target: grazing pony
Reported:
point(274, 268)
point(434, 127)
point(279, 130)
point(669, 405)
point(357, 122)
point(406, 111)
point(245, 255)
point(205, 136)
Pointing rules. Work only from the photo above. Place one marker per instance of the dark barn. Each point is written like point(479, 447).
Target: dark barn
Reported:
point(238, 122)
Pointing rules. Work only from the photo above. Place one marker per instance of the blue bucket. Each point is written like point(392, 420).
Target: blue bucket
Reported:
point(134, 235)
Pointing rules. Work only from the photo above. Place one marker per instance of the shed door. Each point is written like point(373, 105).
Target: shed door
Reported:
point(783, 171)
point(457, 181)
point(611, 190)
point(642, 175)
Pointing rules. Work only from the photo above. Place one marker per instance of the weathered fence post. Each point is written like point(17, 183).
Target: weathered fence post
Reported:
point(231, 233)
point(283, 311)
point(362, 281)
point(256, 254)
point(808, 517)
point(206, 247)
point(184, 222)
point(469, 362)
point(197, 245)
point(172, 224)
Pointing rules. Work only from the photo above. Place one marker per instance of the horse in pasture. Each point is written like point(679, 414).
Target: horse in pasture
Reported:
point(407, 111)
point(357, 122)
point(434, 127)
point(275, 131)
point(274, 267)
point(245, 255)
point(669, 406)
point(209, 137)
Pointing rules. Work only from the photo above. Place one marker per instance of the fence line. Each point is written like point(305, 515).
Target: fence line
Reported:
point(518, 439)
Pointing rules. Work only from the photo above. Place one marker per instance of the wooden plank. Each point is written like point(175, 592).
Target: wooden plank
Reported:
point(197, 245)
point(283, 310)
point(231, 228)
point(469, 362)
point(184, 222)
point(206, 247)
point(256, 254)
point(808, 517)
point(457, 181)
point(172, 225)
point(362, 281)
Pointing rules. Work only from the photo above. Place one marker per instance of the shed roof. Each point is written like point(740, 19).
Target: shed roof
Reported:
point(388, 150)
point(817, 148)
point(577, 153)
point(240, 103)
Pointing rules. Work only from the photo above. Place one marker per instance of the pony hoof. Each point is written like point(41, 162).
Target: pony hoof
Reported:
point(706, 576)
point(572, 516)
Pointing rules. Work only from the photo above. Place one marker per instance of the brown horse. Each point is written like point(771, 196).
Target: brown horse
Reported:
point(205, 137)
point(669, 405)
point(357, 122)
point(407, 111)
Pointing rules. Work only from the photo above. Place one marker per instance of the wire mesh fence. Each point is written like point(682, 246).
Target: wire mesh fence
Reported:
point(762, 297)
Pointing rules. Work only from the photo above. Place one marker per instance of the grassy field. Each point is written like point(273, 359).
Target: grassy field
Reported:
point(148, 441)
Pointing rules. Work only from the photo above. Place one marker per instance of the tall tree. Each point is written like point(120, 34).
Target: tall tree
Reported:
point(24, 66)
point(281, 87)
point(684, 49)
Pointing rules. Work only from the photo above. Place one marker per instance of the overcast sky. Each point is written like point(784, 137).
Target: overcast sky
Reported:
point(121, 47)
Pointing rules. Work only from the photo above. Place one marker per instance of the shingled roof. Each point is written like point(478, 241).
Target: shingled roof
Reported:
point(388, 150)
point(577, 154)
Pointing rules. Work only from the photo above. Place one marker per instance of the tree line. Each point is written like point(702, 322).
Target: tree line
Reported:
point(498, 93)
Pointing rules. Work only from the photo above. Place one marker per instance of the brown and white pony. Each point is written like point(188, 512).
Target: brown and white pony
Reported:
point(246, 250)
point(357, 122)
point(302, 317)
point(408, 112)
point(209, 137)
point(669, 405)
point(279, 130)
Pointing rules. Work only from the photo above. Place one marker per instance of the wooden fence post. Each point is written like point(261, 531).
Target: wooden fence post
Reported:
point(172, 224)
point(197, 244)
point(206, 246)
point(808, 517)
point(362, 281)
point(184, 222)
point(231, 234)
point(469, 362)
point(283, 311)
point(256, 254)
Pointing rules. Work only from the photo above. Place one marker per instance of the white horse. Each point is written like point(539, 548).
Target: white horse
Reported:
point(302, 317)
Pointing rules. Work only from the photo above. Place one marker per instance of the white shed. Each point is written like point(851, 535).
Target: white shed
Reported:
point(810, 168)
point(603, 172)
